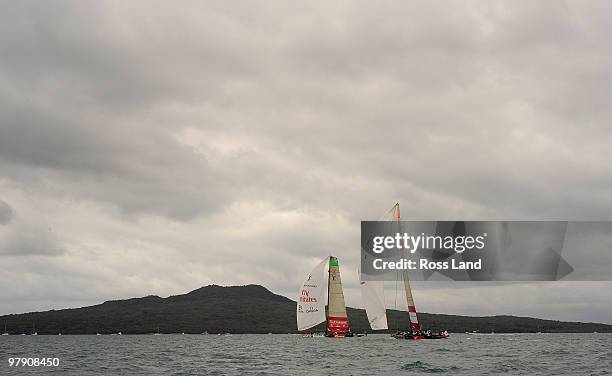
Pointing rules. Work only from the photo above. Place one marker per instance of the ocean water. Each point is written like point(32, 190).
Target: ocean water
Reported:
point(462, 354)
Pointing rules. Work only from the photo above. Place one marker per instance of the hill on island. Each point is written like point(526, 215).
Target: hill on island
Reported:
point(244, 309)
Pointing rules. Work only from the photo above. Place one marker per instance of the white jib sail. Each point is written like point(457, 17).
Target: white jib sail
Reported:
point(374, 301)
point(311, 298)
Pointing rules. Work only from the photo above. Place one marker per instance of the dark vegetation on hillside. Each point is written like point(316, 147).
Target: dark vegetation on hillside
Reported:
point(244, 309)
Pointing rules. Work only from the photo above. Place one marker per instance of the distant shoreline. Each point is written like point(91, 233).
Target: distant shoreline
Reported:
point(250, 309)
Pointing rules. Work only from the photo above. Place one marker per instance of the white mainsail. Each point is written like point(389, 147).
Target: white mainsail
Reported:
point(372, 293)
point(412, 313)
point(337, 319)
point(336, 306)
point(311, 298)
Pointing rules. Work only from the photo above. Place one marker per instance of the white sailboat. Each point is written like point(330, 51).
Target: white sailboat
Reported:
point(372, 293)
point(5, 332)
point(311, 300)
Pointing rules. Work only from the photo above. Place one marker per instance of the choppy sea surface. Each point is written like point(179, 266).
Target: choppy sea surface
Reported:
point(462, 354)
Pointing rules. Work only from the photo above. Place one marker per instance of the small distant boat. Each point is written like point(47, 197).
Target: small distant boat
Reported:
point(182, 333)
point(5, 332)
point(34, 332)
point(313, 335)
point(97, 334)
point(311, 302)
point(205, 332)
point(59, 334)
point(157, 333)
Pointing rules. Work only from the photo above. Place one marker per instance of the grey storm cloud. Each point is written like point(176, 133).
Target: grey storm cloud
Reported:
point(242, 141)
point(6, 213)
point(25, 238)
point(30, 241)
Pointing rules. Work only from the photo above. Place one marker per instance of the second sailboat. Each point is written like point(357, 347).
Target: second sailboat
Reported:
point(312, 301)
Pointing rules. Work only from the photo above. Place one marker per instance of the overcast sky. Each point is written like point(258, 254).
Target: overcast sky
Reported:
point(154, 147)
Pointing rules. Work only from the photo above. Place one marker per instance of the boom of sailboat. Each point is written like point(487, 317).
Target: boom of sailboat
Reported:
point(312, 301)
